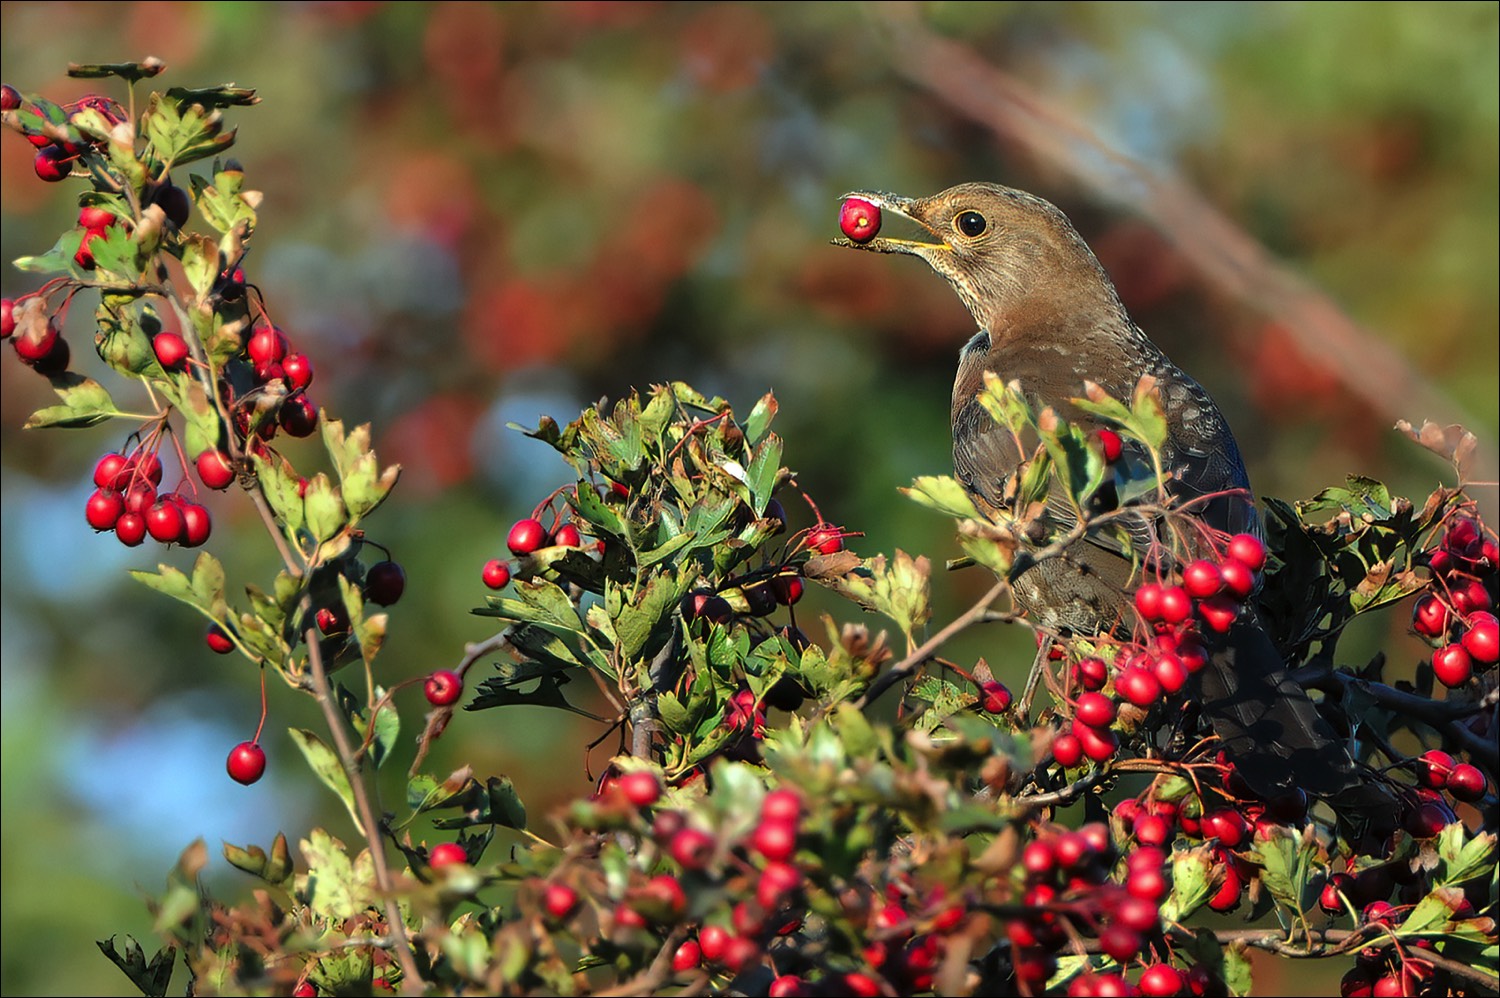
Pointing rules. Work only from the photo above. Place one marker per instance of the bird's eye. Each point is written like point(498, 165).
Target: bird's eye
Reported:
point(970, 223)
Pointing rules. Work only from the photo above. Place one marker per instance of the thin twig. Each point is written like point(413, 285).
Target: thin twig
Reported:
point(928, 648)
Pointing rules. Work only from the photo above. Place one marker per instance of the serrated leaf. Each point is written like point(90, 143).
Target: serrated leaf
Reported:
point(323, 508)
point(603, 520)
point(201, 263)
point(943, 494)
point(85, 402)
point(334, 886)
point(325, 764)
point(493, 803)
point(281, 490)
point(150, 977)
point(171, 582)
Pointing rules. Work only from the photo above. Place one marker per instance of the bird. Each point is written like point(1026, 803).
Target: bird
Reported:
point(1050, 320)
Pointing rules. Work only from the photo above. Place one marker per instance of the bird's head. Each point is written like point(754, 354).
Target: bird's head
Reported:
point(1011, 256)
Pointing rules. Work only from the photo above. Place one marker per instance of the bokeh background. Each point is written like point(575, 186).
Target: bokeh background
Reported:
point(476, 214)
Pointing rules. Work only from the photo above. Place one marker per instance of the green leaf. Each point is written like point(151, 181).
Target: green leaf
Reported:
point(601, 518)
point(335, 887)
point(1461, 857)
point(1287, 863)
point(493, 803)
point(762, 475)
point(201, 262)
point(1192, 883)
point(281, 489)
point(172, 582)
point(942, 493)
point(324, 508)
point(1006, 403)
point(759, 420)
point(325, 763)
point(84, 403)
point(647, 612)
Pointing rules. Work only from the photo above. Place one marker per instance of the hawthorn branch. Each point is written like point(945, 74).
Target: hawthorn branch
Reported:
point(1444, 715)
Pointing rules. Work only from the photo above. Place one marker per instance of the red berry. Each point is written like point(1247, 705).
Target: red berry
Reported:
point(1160, 979)
point(305, 990)
point(443, 688)
point(1091, 673)
point(1452, 665)
point(246, 763)
point(93, 217)
point(692, 848)
point(788, 986)
point(297, 370)
point(1176, 605)
point(33, 347)
point(164, 522)
point(267, 346)
point(1430, 617)
point(1230, 892)
point(526, 536)
point(1148, 884)
point(1148, 602)
point(688, 956)
point(859, 220)
point(1039, 858)
point(218, 640)
point(53, 163)
point(1139, 686)
point(1111, 444)
point(1095, 710)
point(1429, 818)
point(7, 317)
point(1152, 829)
point(778, 881)
point(560, 901)
point(1170, 672)
point(700, 604)
point(1120, 943)
point(130, 528)
point(171, 351)
point(1466, 783)
point(825, 538)
point(139, 497)
point(496, 573)
point(84, 256)
point(1434, 767)
point(10, 98)
point(1469, 596)
point(1482, 639)
point(196, 524)
point(567, 536)
point(775, 840)
point(1463, 539)
point(787, 589)
point(994, 697)
point(640, 787)
point(1227, 825)
point(299, 416)
point(714, 941)
point(1239, 580)
point(1219, 613)
point(1067, 750)
point(214, 469)
point(1098, 744)
point(783, 806)
point(104, 509)
point(447, 854)
point(1248, 550)
point(385, 582)
point(332, 620)
point(1202, 579)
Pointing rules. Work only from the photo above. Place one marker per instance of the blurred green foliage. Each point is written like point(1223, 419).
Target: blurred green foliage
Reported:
point(479, 213)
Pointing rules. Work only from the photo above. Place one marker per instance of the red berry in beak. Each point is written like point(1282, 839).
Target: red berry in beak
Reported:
point(859, 220)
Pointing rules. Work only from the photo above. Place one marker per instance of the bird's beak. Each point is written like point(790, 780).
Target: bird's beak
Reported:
point(903, 208)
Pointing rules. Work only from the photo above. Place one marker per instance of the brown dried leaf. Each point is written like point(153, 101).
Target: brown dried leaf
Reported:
point(1451, 442)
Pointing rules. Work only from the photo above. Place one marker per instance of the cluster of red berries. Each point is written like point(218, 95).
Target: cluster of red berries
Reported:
point(272, 362)
point(1458, 617)
point(55, 157)
point(1210, 594)
point(126, 502)
point(1069, 889)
